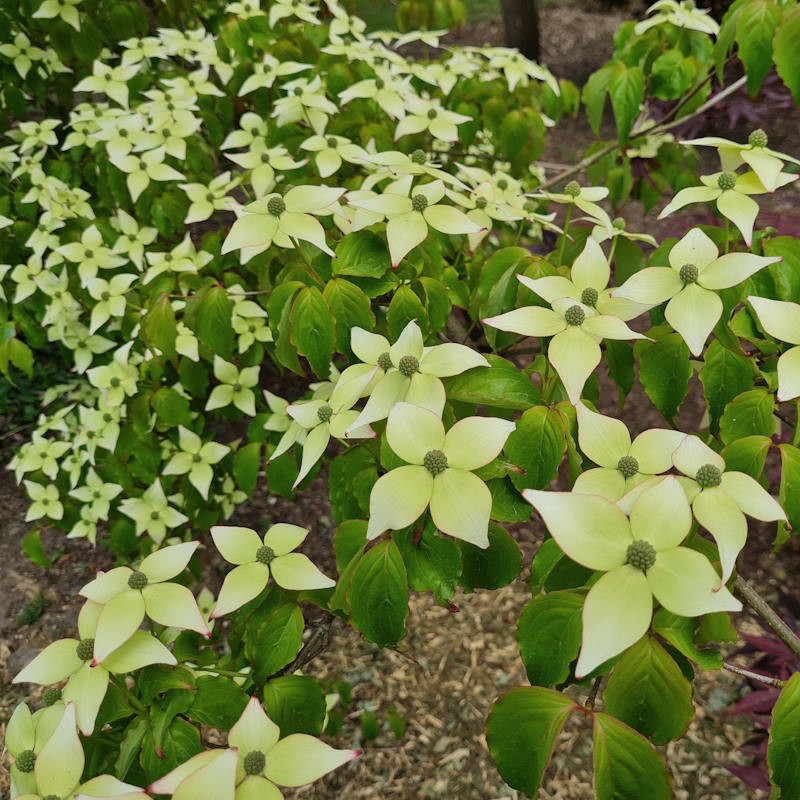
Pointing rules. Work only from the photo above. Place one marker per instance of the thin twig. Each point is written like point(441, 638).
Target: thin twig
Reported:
point(764, 610)
point(656, 127)
point(746, 673)
point(592, 698)
point(317, 643)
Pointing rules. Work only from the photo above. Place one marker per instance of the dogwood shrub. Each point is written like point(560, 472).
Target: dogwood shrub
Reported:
point(194, 211)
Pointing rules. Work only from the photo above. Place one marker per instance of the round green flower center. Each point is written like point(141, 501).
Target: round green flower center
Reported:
point(708, 476)
point(254, 132)
point(331, 142)
point(276, 206)
point(628, 466)
point(589, 296)
point(85, 649)
point(237, 387)
point(575, 315)
point(265, 555)
point(435, 462)
point(385, 361)
point(432, 113)
point(154, 515)
point(757, 138)
point(254, 762)
point(209, 197)
point(107, 417)
point(26, 761)
point(573, 189)
point(298, 91)
point(480, 202)
point(265, 158)
point(137, 580)
point(324, 413)
point(379, 83)
point(114, 383)
point(419, 202)
point(105, 296)
point(51, 797)
point(689, 273)
point(502, 184)
point(51, 696)
point(88, 254)
point(726, 181)
point(419, 157)
point(640, 555)
point(197, 458)
point(619, 223)
point(408, 365)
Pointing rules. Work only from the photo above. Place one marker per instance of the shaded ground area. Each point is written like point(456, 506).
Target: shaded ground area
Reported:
point(453, 665)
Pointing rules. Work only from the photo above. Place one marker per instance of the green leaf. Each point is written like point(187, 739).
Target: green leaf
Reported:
point(296, 704)
point(312, 329)
point(626, 767)
point(626, 90)
point(789, 492)
point(157, 679)
point(246, 465)
point(619, 358)
point(159, 328)
point(350, 308)
point(679, 632)
point(750, 414)
point(754, 32)
point(508, 504)
point(433, 563)
point(786, 273)
point(537, 446)
point(351, 477)
point(497, 284)
point(724, 375)
point(404, 307)
point(494, 567)
point(363, 254)
point(130, 746)
point(501, 385)
point(747, 455)
point(785, 51)
point(549, 636)
point(783, 750)
point(218, 702)
point(349, 541)
point(521, 730)
point(273, 636)
point(171, 407)
point(379, 594)
point(34, 550)
point(670, 75)
point(664, 371)
point(551, 570)
point(594, 96)
point(213, 322)
point(648, 691)
point(178, 743)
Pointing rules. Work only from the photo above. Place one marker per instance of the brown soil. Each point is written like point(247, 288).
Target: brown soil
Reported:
point(452, 665)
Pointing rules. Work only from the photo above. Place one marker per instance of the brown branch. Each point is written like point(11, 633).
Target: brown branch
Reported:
point(746, 673)
point(316, 644)
point(764, 610)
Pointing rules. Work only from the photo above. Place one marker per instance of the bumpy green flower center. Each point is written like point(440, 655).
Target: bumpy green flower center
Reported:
point(379, 83)
point(575, 315)
point(432, 113)
point(276, 206)
point(640, 555)
point(435, 462)
point(573, 189)
point(237, 387)
point(628, 466)
point(757, 138)
point(26, 761)
point(51, 797)
point(254, 762)
point(51, 696)
point(726, 181)
point(154, 515)
point(408, 365)
point(105, 296)
point(619, 223)
point(689, 273)
point(331, 142)
point(209, 197)
point(385, 361)
point(197, 458)
point(85, 649)
point(419, 157)
point(265, 555)
point(324, 413)
point(708, 476)
point(137, 580)
point(480, 202)
point(589, 296)
point(114, 383)
point(502, 184)
point(419, 202)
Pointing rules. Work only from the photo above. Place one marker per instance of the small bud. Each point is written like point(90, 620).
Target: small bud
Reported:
point(628, 466)
point(573, 189)
point(51, 696)
point(324, 413)
point(385, 361)
point(726, 181)
point(419, 202)
point(154, 515)
point(708, 476)
point(435, 462)
point(408, 365)
point(502, 184)
point(331, 142)
point(480, 202)
point(26, 760)
point(619, 223)
point(379, 83)
point(265, 555)
point(85, 649)
point(254, 762)
point(137, 580)
point(757, 138)
point(589, 296)
point(689, 273)
point(276, 206)
point(640, 555)
point(197, 458)
point(419, 157)
point(575, 315)
point(432, 113)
